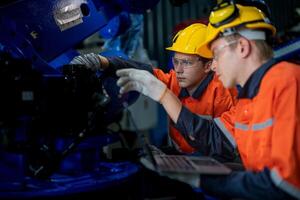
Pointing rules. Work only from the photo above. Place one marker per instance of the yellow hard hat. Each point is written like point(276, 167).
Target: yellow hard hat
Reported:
point(228, 16)
point(189, 39)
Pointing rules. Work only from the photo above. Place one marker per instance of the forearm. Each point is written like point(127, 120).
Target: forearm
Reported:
point(104, 62)
point(171, 104)
point(200, 133)
point(204, 135)
point(244, 185)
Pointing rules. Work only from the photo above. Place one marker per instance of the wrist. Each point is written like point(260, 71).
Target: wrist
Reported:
point(163, 94)
point(172, 105)
point(103, 62)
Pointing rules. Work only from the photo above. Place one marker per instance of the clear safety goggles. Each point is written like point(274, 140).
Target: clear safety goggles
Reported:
point(185, 63)
point(218, 50)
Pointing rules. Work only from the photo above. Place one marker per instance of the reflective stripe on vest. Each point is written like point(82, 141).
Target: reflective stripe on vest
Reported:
point(225, 131)
point(255, 127)
point(208, 117)
point(284, 185)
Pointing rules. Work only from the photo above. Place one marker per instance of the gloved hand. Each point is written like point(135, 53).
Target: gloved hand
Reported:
point(141, 81)
point(191, 179)
point(91, 61)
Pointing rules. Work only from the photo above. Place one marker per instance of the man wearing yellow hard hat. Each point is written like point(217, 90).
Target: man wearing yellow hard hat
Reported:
point(264, 125)
point(192, 80)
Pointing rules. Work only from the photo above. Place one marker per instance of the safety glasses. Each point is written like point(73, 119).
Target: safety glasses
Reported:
point(223, 13)
point(217, 51)
point(185, 63)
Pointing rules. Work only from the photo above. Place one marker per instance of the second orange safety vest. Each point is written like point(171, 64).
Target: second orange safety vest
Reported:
point(210, 103)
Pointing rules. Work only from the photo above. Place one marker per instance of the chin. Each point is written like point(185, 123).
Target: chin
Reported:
point(182, 85)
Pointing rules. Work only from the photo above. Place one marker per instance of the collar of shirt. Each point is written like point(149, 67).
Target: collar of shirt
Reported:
point(199, 91)
point(251, 87)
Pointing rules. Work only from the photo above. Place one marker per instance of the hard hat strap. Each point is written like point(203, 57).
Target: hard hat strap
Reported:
point(251, 34)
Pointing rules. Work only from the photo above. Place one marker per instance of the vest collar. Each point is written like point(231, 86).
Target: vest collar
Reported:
point(251, 87)
point(200, 89)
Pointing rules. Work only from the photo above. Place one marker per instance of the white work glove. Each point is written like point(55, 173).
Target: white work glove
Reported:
point(189, 178)
point(141, 81)
point(91, 61)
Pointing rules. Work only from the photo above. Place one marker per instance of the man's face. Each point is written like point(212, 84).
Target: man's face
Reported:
point(225, 63)
point(190, 70)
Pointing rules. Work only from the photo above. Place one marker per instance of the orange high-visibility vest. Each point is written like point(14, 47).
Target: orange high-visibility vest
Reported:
point(210, 103)
point(266, 128)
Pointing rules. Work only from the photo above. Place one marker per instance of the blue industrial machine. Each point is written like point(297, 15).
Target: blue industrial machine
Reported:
point(54, 116)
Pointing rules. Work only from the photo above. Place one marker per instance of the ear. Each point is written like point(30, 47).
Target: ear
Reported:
point(244, 47)
point(207, 66)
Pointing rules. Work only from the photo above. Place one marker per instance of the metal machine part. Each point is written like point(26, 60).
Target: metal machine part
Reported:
point(35, 110)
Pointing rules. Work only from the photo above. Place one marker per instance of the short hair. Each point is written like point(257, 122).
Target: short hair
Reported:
point(265, 50)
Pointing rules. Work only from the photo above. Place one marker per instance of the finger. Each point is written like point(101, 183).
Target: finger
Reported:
point(88, 59)
point(82, 60)
point(123, 80)
point(76, 61)
point(123, 72)
point(134, 74)
point(94, 59)
point(130, 86)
